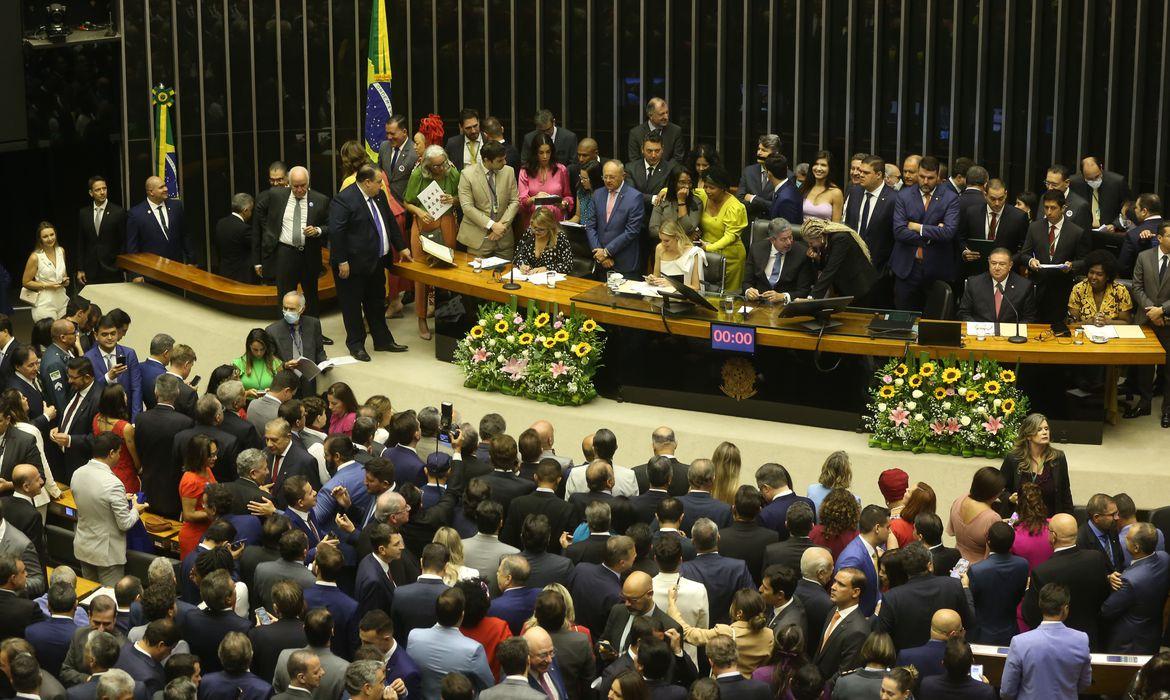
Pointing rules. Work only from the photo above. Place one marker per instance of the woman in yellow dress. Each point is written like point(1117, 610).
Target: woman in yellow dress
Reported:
point(723, 219)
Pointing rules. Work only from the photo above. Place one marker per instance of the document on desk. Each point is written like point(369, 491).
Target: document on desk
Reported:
point(1128, 331)
point(540, 278)
point(431, 199)
point(987, 328)
point(490, 263)
point(1101, 331)
point(637, 287)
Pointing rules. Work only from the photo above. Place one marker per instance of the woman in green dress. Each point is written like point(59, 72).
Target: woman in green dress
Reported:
point(259, 363)
point(723, 219)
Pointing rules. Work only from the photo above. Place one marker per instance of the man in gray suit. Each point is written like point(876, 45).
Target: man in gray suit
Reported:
point(297, 336)
point(484, 550)
point(1151, 296)
point(304, 676)
point(16, 543)
point(512, 655)
point(104, 513)
point(262, 410)
point(319, 634)
point(294, 547)
point(396, 156)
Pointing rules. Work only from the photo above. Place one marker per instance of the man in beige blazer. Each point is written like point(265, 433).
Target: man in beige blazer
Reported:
point(104, 514)
point(488, 196)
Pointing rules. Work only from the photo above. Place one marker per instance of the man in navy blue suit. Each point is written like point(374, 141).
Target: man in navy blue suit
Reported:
point(362, 234)
point(722, 653)
point(615, 222)
point(374, 588)
point(775, 483)
point(862, 553)
point(928, 657)
point(377, 630)
point(698, 502)
point(926, 225)
point(143, 659)
point(155, 225)
point(405, 432)
point(1147, 210)
point(52, 637)
point(722, 576)
point(997, 586)
point(870, 208)
point(787, 203)
point(235, 680)
point(1135, 605)
point(300, 496)
point(544, 673)
point(325, 594)
point(113, 362)
point(155, 366)
point(414, 603)
point(597, 588)
point(203, 628)
point(517, 599)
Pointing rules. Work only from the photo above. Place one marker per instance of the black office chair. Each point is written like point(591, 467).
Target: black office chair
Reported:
point(758, 231)
point(59, 546)
point(582, 254)
point(714, 272)
point(138, 563)
point(940, 302)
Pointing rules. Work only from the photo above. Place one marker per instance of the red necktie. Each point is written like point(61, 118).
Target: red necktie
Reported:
point(276, 467)
point(1051, 241)
point(918, 254)
point(69, 411)
point(998, 298)
point(991, 226)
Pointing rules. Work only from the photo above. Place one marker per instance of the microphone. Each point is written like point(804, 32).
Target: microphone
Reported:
point(1017, 338)
point(511, 285)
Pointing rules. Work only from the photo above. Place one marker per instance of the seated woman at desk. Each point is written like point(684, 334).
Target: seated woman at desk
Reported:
point(675, 256)
point(542, 248)
point(1100, 299)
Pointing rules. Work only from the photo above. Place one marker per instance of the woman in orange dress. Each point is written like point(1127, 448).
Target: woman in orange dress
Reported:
point(198, 459)
point(113, 417)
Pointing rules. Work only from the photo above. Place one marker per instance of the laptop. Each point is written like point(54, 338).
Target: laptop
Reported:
point(940, 333)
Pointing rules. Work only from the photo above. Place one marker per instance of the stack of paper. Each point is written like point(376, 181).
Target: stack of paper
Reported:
point(490, 263)
point(539, 278)
point(987, 328)
point(431, 197)
point(638, 287)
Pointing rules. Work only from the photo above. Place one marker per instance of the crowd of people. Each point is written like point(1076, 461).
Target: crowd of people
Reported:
point(332, 546)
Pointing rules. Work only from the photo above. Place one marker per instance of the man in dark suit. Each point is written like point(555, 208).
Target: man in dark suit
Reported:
point(659, 471)
point(8, 346)
point(787, 202)
point(778, 268)
point(180, 366)
point(907, 609)
point(928, 657)
point(361, 235)
point(298, 334)
point(1075, 207)
point(925, 225)
point(846, 629)
point(1106, 192)
point(1058, 241)
point(494, 131)
point(637, 602)
point(143, 659)
point(414, 604)
point(327, 566)
point(615, 225)
point(155, 430)
point(998, 295)
point(649, 171)
point(928, 529)
point(698, 501)
point(1147, 211)
point(798, 522)
point(204, 628)
point(657, 124)
point(755, 186)
point(233, 240)
point(598, 517)
point(231, 397)
point(236, 653)
point(374, 588)
point(775, 484)
point(396, 155)
point(251, 474)
point(778, 587)
point(516, 600)
point(596, 588)
point(1100, 531)
point(155, 225)
point(564, 141)
point(16, 611)
point(995, 220)
point(997, 586)
point(101, 236)
point(1151, 300)
point(506, 484)
point(670, 515)
point(816, 570)
point(722, 653)
point(287, 458)
point(155, 365)
point(75, 436)
point(721, 575)
point(1085, 572)
point(463, 148)
point(870, 210)
point(52, 637)
point(18, 510)
point(19, 448)
point(286, 632)
point(208, 416)
point(291, 226)
point(746, 539)
point(664, 444)
point(1132, 614)
point(542, 501)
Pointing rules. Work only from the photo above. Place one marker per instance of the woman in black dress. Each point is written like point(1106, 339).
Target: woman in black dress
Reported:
point(542, 247)
point(1035, 460)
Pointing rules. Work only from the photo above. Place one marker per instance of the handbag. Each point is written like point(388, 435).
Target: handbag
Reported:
point(28, 296)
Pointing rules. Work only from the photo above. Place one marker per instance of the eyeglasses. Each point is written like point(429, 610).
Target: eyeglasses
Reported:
point(545, 654)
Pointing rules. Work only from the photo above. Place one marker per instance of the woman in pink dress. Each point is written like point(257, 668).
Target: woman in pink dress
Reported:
point(343, 408)
point(972, 515)
point(113, 417)
point(1032, 526)
point(543, 176)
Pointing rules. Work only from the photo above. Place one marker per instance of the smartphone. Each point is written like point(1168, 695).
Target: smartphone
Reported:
point(977, 671)
point(263, 616)
point(119, 359)
point(238, 543)
point(446, 417)
point(195, 380)
point(960, 568)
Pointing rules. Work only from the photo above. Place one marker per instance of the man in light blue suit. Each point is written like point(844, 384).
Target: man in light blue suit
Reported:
point(1135, 606)
point(862, 553)
point(613, 226)
point(116, 363)
point(442, 649)
point(1052, 661)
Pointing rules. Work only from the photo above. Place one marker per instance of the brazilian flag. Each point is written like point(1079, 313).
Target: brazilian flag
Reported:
point(378, 109)
point(166, 160)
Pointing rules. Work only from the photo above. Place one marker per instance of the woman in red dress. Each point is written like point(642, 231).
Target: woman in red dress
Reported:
point(113, 417)
point(840, 513)
point(477, 625)
point(198, 459)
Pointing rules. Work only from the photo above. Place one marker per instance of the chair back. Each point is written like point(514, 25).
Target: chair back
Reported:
point(940, 302)
point(714, 272)
point(758, 231)
point(582, 255)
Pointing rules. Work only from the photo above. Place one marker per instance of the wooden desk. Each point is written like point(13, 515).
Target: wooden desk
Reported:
point(208, 285)
point(1111, 674)
point(166, 540)
point(849, 338)
point(84, 586)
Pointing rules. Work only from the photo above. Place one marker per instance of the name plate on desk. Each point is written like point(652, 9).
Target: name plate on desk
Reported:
point(733, 337)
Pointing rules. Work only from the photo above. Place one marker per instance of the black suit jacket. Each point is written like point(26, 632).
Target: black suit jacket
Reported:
point(312, 346)
point(1076, 209)
point(673, 146)
point(751, 181)
point(233, 247)
point(740, 688)
point(454, 148)
point(619, 615)
point(844, 268)
point(558, 512)
point(546, 568)
point(225, 463)
point(840, 651)
point(564, 145)
point(1087, 540)
point(154, 435)
point(1010, 229)
point(205, 629)
point(796, 276)
point(243, 492)
point(269, 640)
point(978, 302)
point(268, 220)
point(590, 550)
point(1113, 192)
point(353, 235)
point(25, 517)
point(243, 431)
point(943, 559)
point(747, 541)
point(906, 610)
point(506, 487)
point(648, 186)
point(1073, 245)
point(817, 607)
point(621, 512)
point(879, 231)
point(786, 553)
point(1085, 573)
point(296, 461)
point(80, 432)
point(16, 613)
point(678, 478)
point(97, 251)
point(645, 505)
point(21, 448)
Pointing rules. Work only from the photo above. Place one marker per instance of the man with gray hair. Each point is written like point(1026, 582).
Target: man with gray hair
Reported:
point(755, 188)
point(231, 396)
point(698, 501)
point(299, 341)
point(517, 599)
point(564, 141)
point(251, 485)
point(291, 224)
point(115, 684)
point(657, 124)
point(233, 240)
point(778, 267)
point(365, 680)
point(722, 576)
point(428, 426)
point(64, 574)
point(101, 653)
point(816, 571)
point(208, 416)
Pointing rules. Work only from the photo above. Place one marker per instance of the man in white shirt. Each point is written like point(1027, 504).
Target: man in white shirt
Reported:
point(692, 595)
point(604, 447)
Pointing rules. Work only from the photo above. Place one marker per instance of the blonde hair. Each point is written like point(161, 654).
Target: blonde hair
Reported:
point(837, 471)
point(819, 229)
point(381, 405)
point(727, 464)
point(449, 538)
point(671, 229)
point(545, 219)
point(570, 611)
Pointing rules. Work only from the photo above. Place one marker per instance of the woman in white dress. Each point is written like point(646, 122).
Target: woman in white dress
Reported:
point(45, 275)
point(678, 257)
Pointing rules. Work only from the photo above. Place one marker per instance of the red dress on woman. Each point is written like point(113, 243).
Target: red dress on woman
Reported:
point(489, 632)
point(192, 486)
point(124, 469)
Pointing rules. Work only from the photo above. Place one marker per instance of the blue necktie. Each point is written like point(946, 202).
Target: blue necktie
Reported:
point(377, 225)
point(774, 275)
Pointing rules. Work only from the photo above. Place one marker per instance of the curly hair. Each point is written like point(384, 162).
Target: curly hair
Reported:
point(1033, 512)
point(431, 127)
point(1106, 260)
point(839, 513)
point(353, 156)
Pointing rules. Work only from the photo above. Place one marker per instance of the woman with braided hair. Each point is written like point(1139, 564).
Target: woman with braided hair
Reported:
point(842, 260)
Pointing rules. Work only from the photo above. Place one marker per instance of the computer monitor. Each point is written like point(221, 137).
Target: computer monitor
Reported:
point(681, 289)
point(820, 309)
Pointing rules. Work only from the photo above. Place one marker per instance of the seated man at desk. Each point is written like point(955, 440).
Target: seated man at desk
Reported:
point(998, 295)
point(778, 268)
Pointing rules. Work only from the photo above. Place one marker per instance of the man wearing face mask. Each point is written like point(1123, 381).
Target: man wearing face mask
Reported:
point(1107, 193)
point(298, 336)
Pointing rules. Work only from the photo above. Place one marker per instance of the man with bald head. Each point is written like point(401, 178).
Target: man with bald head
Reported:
point(1085, 572)
point(54, 380)
point(614, 225)
point(664, 444)
point(545, 430)
point(291, 224)
point(637, 601)
point(910, 170)
point(928, 658)
point(155, 225)
point(544, 674)
point(19, 510)
point(586, 156)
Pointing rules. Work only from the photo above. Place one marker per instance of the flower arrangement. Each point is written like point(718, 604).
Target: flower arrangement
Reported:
point(971, 408)
point(541, 355)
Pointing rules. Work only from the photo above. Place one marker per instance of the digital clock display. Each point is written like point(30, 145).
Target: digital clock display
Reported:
point(733, 338)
